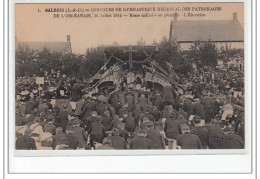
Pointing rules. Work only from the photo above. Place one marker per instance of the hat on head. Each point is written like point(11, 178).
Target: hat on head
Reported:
point(50, 117)
point(185, 127)
point(172, 115)
point(196, 119)
point(37, 119)
point(69, 128)
point(27, 131)
point(59, 130)
point(77, 122)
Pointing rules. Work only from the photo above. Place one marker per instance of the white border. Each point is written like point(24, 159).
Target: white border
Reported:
point(181, 162)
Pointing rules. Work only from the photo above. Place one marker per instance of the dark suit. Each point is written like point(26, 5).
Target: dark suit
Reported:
point(140, 142)
point(76, 93)
point(156, 138)
point(172, 128)
point(188, 107)
point(25, 143)
point(59, 139)
point(73, 141)
point(199, 110)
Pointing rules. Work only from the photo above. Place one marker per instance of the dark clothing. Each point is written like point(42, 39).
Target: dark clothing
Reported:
point(156, 138)
point(49, 127)
point(76, 93)
point(73, 141)
point(88, 107)
point(168, 94)
point(136, 114)
point(188, 107)
point(81, 135)
point(172, 128)
point(203, 134)
point(25, 143)
point(106, 121)
point(184, 114)
point(88, 121)
point(64, 119)
point(30, 119)
point(215, 133)
point(19, 120)
point(232, 141)
point(30, 106)
point(129, 123)
point(122, 111)
point(156, 115)
point(130, 101)
point(118, 142)
point(97, 132)
point(199, 110)
point(241, 132)
point(209, 106)
point(60, 139)
point(158, 102)
point(188, 141)
point(140, 142)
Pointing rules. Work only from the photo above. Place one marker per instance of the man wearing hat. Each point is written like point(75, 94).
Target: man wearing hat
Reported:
point(209, 106)
point(97, 131)
point(215, 134)
point(80, 133)
point(199, 108)
point(186, 140)
point(231, 141)
point(88, 107)
point(130, 101)
point(117, 141)
point(107, 121)
point(49, 127)
point(158, 101)
point(118, 124)
point(142, 101)
point(137, 112)
point(73, 139)
point(201, 131)
point(19, 119)
point(43, 107)
point(155, 136)
point(140, 141)
point(188, 107)
point(60, 140)
point(172, 129)
point(156, 114)
point(25, 142)
point(123, 110)
point(88, 121)
point(129, 122)
point(64, 114)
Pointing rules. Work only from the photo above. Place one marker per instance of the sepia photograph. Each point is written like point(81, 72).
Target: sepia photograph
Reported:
point(129, 76)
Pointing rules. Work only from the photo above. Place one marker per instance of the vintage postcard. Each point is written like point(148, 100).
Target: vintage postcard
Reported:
point(129, 76)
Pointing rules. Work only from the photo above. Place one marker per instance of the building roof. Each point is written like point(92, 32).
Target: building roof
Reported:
point(204, 30)
point(62, 47)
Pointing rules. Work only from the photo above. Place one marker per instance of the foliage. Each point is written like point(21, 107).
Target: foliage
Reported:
point(204, 54)
point(169, 52)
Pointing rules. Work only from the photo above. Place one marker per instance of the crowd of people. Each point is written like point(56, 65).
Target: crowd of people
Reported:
point(207, 114)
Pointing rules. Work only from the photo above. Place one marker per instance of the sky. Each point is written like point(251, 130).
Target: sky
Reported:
point(33, 24)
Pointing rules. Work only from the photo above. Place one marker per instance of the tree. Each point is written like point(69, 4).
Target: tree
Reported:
point(169, 52)
point(204, 54)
